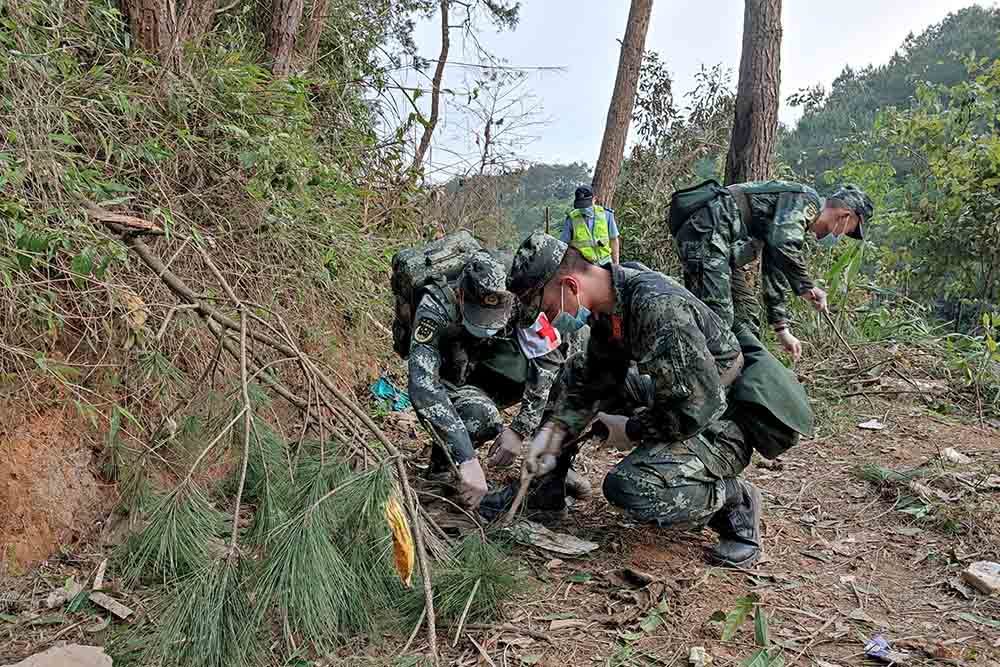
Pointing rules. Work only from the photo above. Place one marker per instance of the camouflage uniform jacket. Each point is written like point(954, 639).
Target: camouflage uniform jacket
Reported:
point(675, 339)
point(780, 213)
point(443, 353)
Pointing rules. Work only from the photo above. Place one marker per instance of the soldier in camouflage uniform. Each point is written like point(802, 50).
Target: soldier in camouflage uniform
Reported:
point(465, 365)
point(701, 414)
point(719, 230)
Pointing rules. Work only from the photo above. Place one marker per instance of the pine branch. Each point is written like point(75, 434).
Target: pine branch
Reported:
point(206, 624)
point(175, 540)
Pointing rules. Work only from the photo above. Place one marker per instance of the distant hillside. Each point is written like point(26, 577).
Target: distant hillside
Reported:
point(519, 198)
point(935, 56)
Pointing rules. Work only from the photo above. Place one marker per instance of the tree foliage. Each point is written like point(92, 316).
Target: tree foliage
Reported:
point(940, 234)
point(935, 56)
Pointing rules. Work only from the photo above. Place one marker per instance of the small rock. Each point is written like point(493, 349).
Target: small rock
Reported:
point(71, 655)
point(983, 575)
point(872, 425)
point(952, 455)
point(698, 656)
point(55, 599)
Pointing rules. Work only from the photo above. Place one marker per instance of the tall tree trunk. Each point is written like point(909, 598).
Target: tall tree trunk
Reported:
point(317, 21)
point(431, 123)
point(151, 24)
point(197, 20)
point(755, 126)
point(609, 163)
point(286, 15)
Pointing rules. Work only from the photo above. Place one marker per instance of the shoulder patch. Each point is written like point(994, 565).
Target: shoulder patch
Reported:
point(426, 328)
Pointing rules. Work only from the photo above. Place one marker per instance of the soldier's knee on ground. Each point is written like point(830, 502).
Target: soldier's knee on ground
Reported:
point(661, 493)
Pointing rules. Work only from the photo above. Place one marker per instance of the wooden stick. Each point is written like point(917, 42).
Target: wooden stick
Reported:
point(465, 612)
point(833, 326)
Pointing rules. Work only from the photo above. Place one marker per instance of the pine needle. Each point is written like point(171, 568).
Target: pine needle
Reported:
point(207, 622)
point(176, 538)
point(305, 574)
point(487, 563)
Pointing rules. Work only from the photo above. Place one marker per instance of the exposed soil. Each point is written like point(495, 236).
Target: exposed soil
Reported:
point(49, 495)
point(841, 565)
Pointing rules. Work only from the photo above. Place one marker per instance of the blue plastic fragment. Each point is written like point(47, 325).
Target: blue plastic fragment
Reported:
point(387, 391)
point(877, 647)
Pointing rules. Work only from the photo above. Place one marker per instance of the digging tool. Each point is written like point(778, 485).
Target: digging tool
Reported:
point(597, 429)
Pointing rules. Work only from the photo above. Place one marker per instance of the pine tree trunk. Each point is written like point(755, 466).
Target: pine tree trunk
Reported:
point(609, 163)
point(425, 139)
point(151, 24)
point(755, 127)
point(317, 20)
point(198, 18)
point(285, 18)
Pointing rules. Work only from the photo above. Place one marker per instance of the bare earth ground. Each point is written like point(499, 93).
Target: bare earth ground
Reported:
point(841, 565)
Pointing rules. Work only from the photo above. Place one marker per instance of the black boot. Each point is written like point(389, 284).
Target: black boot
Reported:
point(738, 525)
point(545, 494)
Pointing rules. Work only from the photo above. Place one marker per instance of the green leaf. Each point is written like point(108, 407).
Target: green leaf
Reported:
point(531, 659)
point(737, 615)
point(77, 602)
point(64, 139)
point(760, 627)
point(580, 577)
point(8, 618)
point(979, 620)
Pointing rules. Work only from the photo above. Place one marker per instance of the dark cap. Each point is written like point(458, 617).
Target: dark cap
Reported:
point(486, 303)
point(852, 197)
point(583, 197)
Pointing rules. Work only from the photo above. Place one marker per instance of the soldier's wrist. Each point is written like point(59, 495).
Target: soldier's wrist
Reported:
point(779, 327)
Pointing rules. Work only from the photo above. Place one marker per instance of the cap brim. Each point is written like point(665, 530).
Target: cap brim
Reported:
point(487, 317)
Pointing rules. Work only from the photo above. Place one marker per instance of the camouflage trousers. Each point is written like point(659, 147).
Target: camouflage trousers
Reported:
point(679, 484)
point(480, 416)
point(720, 264)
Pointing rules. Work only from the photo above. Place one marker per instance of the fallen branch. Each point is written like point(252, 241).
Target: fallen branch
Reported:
point(185, 293)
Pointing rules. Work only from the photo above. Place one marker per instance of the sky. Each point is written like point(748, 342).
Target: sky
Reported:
point(819, 40)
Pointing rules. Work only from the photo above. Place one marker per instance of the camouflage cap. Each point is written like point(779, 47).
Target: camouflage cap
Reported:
point(536, 262)
point(486, 303)
point(854, 198)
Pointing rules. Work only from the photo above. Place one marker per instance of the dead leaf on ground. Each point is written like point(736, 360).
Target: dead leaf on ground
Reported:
point(537, 535)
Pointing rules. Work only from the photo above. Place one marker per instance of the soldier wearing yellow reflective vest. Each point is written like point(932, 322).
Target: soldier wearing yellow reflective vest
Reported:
point(591, 229)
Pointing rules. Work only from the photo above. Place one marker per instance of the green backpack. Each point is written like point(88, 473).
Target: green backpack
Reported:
point(438, 262)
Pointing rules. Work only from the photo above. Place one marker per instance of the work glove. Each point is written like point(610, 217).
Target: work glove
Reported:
point(472, 483)
point(505, 448)
point(792, 345)
point(543, 449)
point(617, 436)
point(817, 298)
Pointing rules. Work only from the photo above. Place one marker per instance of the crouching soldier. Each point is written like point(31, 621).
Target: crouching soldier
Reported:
point(709, 398)
point(466, 364)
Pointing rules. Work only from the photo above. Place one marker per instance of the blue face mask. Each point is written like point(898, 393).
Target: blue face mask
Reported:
point(568, 324)
point(830, 240)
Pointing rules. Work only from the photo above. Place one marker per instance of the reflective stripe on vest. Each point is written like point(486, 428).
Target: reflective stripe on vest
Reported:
point(594, 245)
